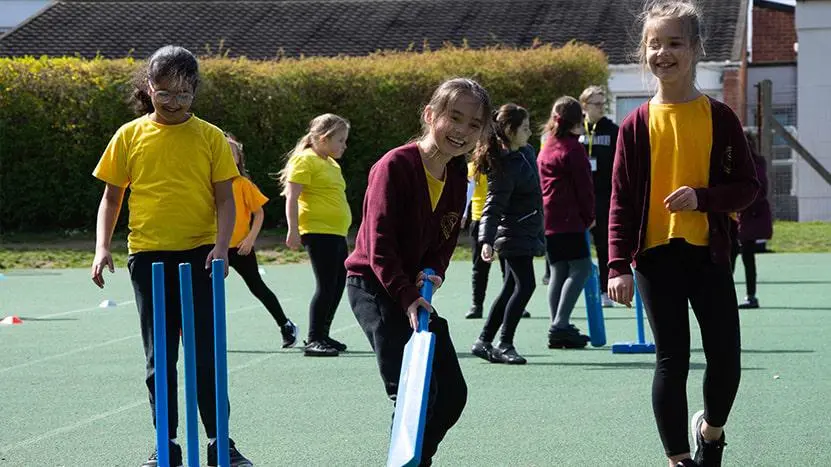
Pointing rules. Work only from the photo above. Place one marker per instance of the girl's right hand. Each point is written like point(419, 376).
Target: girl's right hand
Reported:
point(293, 240)
point(103, 258)
point(412, 311)
point(622, 289)
point(487, 253)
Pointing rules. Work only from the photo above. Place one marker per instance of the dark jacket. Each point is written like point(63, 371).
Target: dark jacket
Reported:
point(512, 218)
point(400, 233)
point(756, 222)
point(603, 146)
point(732, 186)
point(567, 190)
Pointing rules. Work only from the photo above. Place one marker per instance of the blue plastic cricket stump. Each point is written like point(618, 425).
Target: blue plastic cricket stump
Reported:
point(641, 346)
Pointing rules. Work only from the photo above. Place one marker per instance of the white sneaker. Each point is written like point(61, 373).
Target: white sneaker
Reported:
point(605, 301)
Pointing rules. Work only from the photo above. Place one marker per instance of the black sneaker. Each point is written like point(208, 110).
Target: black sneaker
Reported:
point(337, 345)
point(320, 349)
point(237, 459)
point(749, 303)
point(289, 331)
point(474, 313)
point(568, 338)
point(546, 280)
point(482, 349)
point(686, 463)
point(507, 354)
point(525, 314)
point(175, 457)
point(705, 453)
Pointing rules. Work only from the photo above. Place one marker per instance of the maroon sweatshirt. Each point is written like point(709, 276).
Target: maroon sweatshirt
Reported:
point(400, 234)
point(567, 187)
point(732, 186)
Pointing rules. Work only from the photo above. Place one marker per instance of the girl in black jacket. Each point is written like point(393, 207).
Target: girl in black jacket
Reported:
point(511, 224)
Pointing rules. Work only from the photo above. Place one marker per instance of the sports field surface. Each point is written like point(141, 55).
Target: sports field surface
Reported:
point(72, 380)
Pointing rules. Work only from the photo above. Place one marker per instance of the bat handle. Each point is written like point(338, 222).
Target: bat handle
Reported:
point(427, 294)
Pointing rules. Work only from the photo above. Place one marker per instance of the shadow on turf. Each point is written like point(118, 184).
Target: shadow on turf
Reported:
point(625, 365)
point(767, 351)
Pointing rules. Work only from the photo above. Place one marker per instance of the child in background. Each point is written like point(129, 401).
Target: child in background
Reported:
point(512, 224)
point(682, 164)
point(754, 223)
point(319, 217)
point(568, 203)
point(241, 256)
point(170, 154)
point(411, 220)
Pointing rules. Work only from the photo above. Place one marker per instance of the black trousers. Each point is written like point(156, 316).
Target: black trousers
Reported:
point(140, 267)
point(748, 251)
point(327, 254)
point(386, 326)
point(247, 267)
point(600, 234)
point(481, 268)
point(517, 290)
point(668, 278)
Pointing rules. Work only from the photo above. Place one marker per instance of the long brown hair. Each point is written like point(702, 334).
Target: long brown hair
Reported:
point(506, 121)
point(237, 144)
point(565, 115)
point(448, 92)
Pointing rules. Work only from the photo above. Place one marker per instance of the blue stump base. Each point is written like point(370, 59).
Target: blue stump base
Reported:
point(633, 347)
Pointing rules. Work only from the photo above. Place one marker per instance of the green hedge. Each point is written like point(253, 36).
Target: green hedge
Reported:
point(57, 114)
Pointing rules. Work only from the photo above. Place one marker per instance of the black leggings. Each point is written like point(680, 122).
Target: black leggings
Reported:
point(668, 277)
point(748, 252)
point(507, 310)
point(327, 254)
point(246, 266)
point(386, 326)
point(481, 268)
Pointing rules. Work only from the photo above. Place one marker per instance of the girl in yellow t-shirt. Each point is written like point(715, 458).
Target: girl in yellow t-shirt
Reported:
point(318, 218)
point(179, 169)
point(241, 256)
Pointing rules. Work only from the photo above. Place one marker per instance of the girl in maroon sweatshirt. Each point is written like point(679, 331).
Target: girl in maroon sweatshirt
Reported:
point(682, 164)
point(568, 204)
point(411, 219)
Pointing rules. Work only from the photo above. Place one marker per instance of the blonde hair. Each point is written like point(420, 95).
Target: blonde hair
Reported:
point(322, 126)
point(590, 92)
point(686, 11)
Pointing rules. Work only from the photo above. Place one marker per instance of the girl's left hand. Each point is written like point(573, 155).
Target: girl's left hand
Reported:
point(682, 199)
point(217, 253)
point(436, 280)
point(245, 246)
point(487, 253)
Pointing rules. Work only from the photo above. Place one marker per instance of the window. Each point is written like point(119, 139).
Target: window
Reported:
point(625, 105)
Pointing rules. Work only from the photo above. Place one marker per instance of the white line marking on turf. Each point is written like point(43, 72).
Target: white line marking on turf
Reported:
point(94, 346)
point(90, 420)
point(79, 310)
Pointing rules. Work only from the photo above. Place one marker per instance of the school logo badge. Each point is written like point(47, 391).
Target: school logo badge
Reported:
point(448, 222)
point(728, 160)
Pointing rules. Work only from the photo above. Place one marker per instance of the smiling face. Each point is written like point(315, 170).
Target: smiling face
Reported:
point(670, 52)
point(171, 99)
point(456, 131)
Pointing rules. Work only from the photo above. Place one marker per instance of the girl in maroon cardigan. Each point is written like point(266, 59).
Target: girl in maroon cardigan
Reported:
point(682, 164)
point(754, 223)
point(568, 204)
point(411, 219)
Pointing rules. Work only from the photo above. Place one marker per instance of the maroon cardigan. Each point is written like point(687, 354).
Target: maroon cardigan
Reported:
point(400, 234)
point(732, 187)
point(756, 222)
point(567, 188)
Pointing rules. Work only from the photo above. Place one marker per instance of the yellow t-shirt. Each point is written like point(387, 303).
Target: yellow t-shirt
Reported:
point(434, 186)
point(170, 170)
point(322, 204)
point(680, 140)
point(247, 199)
point(480, 192)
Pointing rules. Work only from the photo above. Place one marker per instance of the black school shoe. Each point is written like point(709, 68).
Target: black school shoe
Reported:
point(474, 313)
point(175, 457)
point(686, 463)
point(337, 345)
point(525, 314)
point(289, 331)
point(750, 303)
point(568, 338)
point(237, 459)
point(507, 354)
point(482, 349)
point(705, 453)
point(320, 349)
